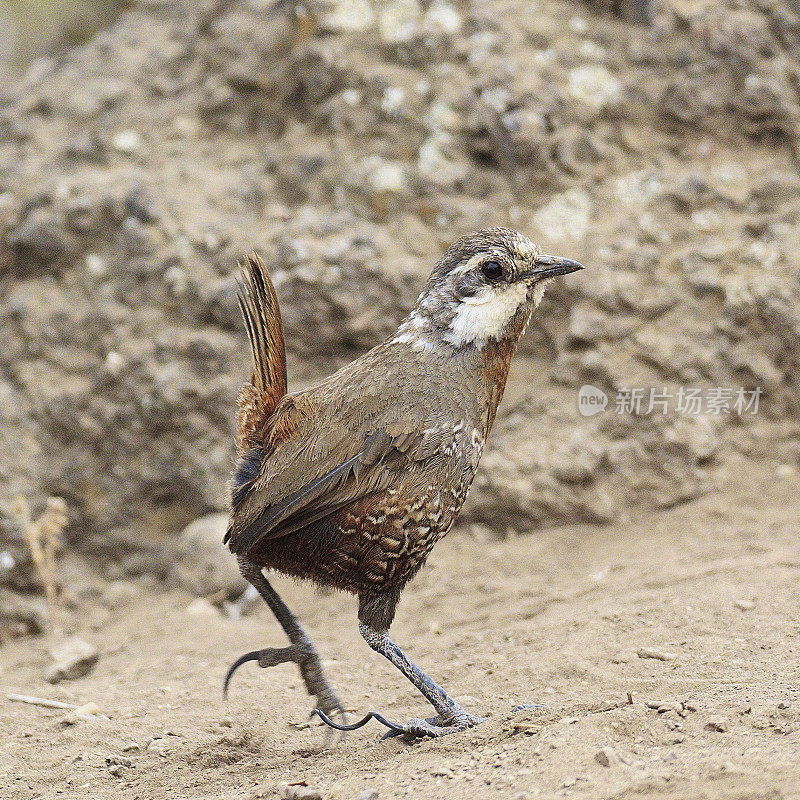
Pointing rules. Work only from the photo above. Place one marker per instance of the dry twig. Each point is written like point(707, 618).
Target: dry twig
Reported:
point(43, 536)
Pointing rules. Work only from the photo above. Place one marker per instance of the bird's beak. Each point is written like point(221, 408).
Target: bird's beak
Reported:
point(550, 266)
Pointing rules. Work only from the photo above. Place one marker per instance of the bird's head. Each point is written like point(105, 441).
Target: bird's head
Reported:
point(483, 288)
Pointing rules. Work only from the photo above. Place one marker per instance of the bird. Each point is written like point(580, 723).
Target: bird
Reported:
point(351, 482)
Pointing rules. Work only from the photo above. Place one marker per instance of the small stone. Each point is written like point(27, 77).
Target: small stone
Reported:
point(123, 761)
point(202, 566)
point(665, 706)
point(300, 792)
point(718, 724)
point(85, 713)
point(86, 147)
point(399, 21)
point(140, 205)
point(442, 17)
point(96, 265)
point(594, 86)
point(622, 657)
point(159, 745)
point(368, 794)
point(393, 99)
point(42, 234)
point(175, 277)
point(116, 770)
point(350, 15)
point(744, 604)
point(114, 363)
point(128, 142)
point(185, 127)
point(442, 772)
point(73, 659)
point(385, 177)
point(654, 652)
point(606, 756)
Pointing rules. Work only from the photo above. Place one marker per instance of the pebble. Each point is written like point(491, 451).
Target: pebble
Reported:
point(744, 605)
point(654, 652)
point(86, 147)
point(203, 566)
point(115, 362)
point(442, 17)
point(96, 265)
point(128, 142)
point(73, 658)
point(595, 86)
point(665, 706)
point(399, 21)
point(348, 16)
point(393, 99)
point(297, 792)
point(368, 794)
point(175, 277)
point(42, 234)
point(385, 177)
point(718, 724)
point(606, 756)
point(85, 713)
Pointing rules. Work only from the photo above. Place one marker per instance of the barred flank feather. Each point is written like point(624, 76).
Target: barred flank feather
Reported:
point(262, 319)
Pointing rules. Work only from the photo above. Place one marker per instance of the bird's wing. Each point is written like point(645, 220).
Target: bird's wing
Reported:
point(328, 461)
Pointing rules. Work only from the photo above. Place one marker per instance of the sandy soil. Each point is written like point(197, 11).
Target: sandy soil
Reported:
point(557, 619)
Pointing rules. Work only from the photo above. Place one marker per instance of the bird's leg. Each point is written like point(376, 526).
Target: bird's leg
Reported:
point(450, 717)
point(301, 651)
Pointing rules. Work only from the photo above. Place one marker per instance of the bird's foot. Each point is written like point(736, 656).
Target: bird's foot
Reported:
point(305, 656)
point(414, 728)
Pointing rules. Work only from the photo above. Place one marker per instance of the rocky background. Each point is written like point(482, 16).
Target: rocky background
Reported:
point(349, 142)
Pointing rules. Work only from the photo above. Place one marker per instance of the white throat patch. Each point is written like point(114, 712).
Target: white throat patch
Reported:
point(485, 315)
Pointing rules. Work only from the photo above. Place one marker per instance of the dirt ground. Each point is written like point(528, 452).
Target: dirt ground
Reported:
point(557, 619)
point(349, 142)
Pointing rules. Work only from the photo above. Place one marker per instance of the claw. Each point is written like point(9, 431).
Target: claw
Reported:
point(253, 656)
point(397, 730)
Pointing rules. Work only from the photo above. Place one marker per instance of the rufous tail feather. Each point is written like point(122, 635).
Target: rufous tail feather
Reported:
point(262, 320)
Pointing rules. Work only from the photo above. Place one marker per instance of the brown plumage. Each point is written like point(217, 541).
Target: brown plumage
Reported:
point(262, 320)
point(351, 483)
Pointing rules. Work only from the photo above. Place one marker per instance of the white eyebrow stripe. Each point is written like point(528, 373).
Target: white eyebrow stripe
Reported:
point(472, 262)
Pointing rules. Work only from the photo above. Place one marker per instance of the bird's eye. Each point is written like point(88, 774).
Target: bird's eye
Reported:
point(492, 270)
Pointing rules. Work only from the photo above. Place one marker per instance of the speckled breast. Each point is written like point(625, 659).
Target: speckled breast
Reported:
point(388, 540)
